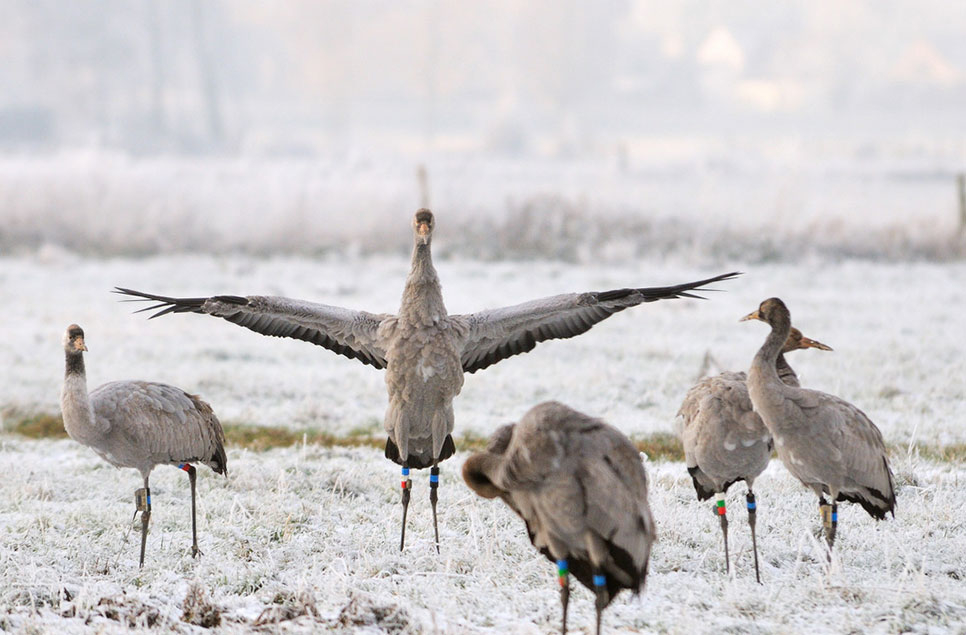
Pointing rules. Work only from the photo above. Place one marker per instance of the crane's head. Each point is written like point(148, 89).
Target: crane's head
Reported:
point(74, 339)
point(481, 468)
point(796, 341)
point(769, 311)
point(479, 471)
point(423, 225)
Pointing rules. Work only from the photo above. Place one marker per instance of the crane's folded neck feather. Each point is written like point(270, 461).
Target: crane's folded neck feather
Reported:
point(422, 299)
point(75, 363)
point(767, 357)
point(75, 404)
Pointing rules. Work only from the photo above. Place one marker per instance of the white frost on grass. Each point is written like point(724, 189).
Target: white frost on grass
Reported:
point(308, 537)
point(896, 330)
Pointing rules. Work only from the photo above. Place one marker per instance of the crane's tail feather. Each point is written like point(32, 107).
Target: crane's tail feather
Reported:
point(876, 504)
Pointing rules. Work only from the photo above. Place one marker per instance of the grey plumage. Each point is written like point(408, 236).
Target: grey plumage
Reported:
point(825, 442)
point(724, 440)
point(423, 348)
point(140, 424)
point(580, 487)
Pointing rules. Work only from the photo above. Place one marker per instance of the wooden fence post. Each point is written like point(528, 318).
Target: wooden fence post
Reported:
point(961, 182)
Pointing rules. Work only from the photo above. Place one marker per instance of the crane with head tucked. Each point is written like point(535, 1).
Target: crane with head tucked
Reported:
point(581, 488)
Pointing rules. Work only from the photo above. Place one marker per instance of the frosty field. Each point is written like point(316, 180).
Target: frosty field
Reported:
point(306, 538)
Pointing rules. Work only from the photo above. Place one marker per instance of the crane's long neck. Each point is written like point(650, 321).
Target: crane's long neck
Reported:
point(422, 299)
point(75, 403)
point(766, 361)
point(785, 372)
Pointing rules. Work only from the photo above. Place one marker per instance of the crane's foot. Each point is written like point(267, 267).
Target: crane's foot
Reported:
point(721, 511)
point(433, 497)
point(407, 485)
point(563, 577)
point(752, 519)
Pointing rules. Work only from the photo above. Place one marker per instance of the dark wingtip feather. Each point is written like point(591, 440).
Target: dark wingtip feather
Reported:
point(685, 290)
point(166, 304)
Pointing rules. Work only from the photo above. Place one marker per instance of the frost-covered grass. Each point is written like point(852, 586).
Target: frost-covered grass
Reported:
point(309, 535)
point(896, 330)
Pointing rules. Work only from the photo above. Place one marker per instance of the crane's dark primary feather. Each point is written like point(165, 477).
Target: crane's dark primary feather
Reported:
point(174, 305)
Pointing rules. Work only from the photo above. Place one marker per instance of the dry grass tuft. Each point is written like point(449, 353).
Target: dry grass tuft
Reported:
point(659, 446)
point(35, 426)
point(198, 608)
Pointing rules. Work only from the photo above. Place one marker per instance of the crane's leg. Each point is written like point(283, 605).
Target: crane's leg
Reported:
point(828, 512)
point(192, 477)
point(752, 513)
point(407, 485)
point(563, 577)
point(142, 503)
point(830, 518)
point(433, 497)
point(722, 513)
point(600, 589)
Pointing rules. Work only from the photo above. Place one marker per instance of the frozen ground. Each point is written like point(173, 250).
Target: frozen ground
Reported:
point(307, 536)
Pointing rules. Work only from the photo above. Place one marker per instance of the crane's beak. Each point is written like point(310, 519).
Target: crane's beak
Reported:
point(79, 344)
point(754, 315)
point(422, 230)
point(810, 343)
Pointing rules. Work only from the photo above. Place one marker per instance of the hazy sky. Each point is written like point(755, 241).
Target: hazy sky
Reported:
point(505, 76)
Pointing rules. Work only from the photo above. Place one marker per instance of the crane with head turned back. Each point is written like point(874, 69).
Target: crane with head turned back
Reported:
point(140, 424)
point(424, 350)
point(828, 444)
point(581, 488)
point(726, 442)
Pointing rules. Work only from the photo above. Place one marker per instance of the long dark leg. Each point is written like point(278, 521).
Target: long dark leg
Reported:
point(600, 588)
point(192, 477)
point(830, 518)
point(722, 513)
point(826, 511)
point(563, 577)
point(142, 503)
point(752, 513)
point(433, 497)
point(407, 485)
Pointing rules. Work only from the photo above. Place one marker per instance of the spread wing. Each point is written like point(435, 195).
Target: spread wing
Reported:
point(497, 334)
point(344, 331)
